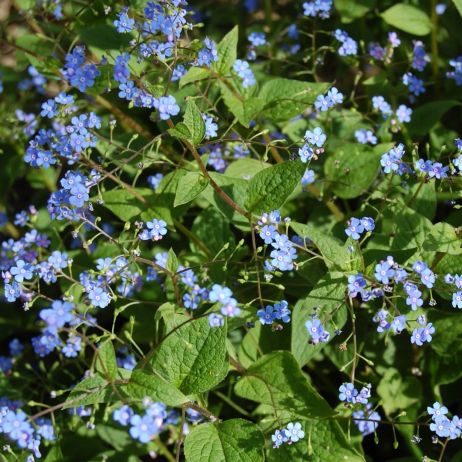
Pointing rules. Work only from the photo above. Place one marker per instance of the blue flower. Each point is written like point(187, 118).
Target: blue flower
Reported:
point(437, 410)
point(295, 431)
point(167, 107)
point(156, 230)
point(282, 312)
point(403, 113)
point(384, 272)
point(99, 297)
point(305, 153)
point(316, 331)
point(316, 137)
point(124, 24)
point(456, 299)
point(123, 415)
point(216, 320)
point(257, 38)
point(268, 233)
point(279, 437)
point(266, 315)
point(428, 278)
point(143, 428)
point(355, 228)
point(220, 294)
point(421, 335)
point(242, 69)
point(348, 393)
point(22, 271)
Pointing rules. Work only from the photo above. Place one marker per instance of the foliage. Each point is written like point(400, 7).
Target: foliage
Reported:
point(230, 230)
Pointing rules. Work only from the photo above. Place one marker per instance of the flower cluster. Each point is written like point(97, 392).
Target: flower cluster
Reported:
point(314, 142)
point(284, 253)
point(317, 8)
point(442, 425)
point(143, 427)
point(349, 46)
point(278, 311)
point(316, 331)
point(325, 102)
point(357, 226)
point(292, 433)
point(242, 69)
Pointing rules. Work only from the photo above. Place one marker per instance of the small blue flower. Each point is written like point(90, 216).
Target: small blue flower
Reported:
point(347, 393)
point(123, 415)
point(316, 137)
point(216, 320)
point(355, 229)
point(266, 315)
point(268, 233)
point(295, 431)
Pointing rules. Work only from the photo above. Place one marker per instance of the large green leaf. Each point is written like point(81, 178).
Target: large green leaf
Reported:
point(352, 168)
point(106, 363)
point(191, 185)
point(270, 188)
point(235, 188)
point(398, 392)
point(192, 357)
point(148, 384)
point(284, 98)
point(408, 18)
point(277, 380)
point(349, 11)
point(335, 253)
point(327, 301)
point(193, 126)
point(427, 115)
point(227, 52)
point(234, 440)
point(243, 108)
point(443, 238)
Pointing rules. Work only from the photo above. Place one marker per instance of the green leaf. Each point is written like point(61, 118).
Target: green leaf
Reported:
point(245, 168)
point(443, 238)
point(227, 52)
point(398, 393)
point(262, 340)
point(285, 98)
point(106, 363)
point(91, 390)
point(192, 357)
point(147, 384)
point(447, 339)
point(424, 200)
point(55, 454)
point(191, 185)
point(234, 440)
point(172, 261)
point(328, 297)
point(234, 188)
point(244, 109)
point(213, 230)
point(194, 121)
point(269, 189)
point(426, 116)
point(180, 131)
point(458, 5)
point(194, 74)
point(352, 168)
point(324, 442)
point(349, 11)
point(123, 204)
point(277, 380)
point(334, 251)
point(408, 18)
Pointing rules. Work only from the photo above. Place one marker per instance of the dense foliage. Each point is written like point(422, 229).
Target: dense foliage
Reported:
point(230, 230)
